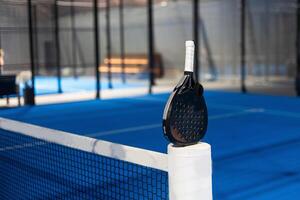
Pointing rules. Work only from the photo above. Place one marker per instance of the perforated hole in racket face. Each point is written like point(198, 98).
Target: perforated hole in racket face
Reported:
point(188, 118)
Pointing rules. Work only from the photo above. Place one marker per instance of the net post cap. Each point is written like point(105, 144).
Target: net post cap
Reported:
point(190, 150)
point(189, 43)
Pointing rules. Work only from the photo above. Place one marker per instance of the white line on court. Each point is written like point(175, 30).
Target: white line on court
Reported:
point(268, 111)
point(151, 126)
point(228, 106)
point(137, 128)
point(282, 113)
point(124, 130)
point(234, 114)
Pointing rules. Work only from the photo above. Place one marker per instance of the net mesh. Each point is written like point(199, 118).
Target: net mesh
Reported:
point(37, 169)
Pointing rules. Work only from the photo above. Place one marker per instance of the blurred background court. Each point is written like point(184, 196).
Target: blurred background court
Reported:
point(104, 69)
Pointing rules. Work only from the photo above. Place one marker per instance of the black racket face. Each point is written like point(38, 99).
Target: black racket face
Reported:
point(185, 120)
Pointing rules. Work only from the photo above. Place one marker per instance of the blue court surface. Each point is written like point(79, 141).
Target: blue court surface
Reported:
point(49, 85)
point(255, 139)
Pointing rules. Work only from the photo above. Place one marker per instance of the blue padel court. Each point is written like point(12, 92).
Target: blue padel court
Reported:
point(150, 99)
point(255, 139)
point(49, 85)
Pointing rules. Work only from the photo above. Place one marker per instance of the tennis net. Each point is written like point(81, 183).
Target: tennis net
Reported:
point(41, 163)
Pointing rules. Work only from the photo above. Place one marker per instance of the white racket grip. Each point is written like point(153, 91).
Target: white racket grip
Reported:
point(189, 56)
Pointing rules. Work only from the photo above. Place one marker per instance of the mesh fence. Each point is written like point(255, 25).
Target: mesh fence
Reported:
point(270, 25)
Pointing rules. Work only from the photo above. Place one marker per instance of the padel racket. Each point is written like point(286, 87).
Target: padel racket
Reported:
point(185, 116)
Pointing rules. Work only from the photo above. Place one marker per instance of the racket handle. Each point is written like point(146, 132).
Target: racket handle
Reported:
point(189, 56)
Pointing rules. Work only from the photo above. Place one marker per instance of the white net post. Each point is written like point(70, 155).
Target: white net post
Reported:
point(190, 172)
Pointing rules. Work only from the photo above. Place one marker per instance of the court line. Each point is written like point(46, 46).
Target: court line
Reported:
point(228, 106)
point(234, 114)
point(90, 112)
point(282, 113)
point(124, 130)
point(151, 126)
point(266, 111)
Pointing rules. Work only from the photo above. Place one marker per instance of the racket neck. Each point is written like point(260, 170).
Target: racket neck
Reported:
point(188, 73)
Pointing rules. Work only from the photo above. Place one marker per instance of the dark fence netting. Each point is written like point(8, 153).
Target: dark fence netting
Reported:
point(270, 28)
point(14, 36)
point(270, 41)
point(63, 42)
point(270, 44)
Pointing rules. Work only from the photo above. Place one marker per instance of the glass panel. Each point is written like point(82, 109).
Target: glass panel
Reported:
point(173, 25)
point(220, 42)
point(271, 49)
point(76, 22)
point(14, 37)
